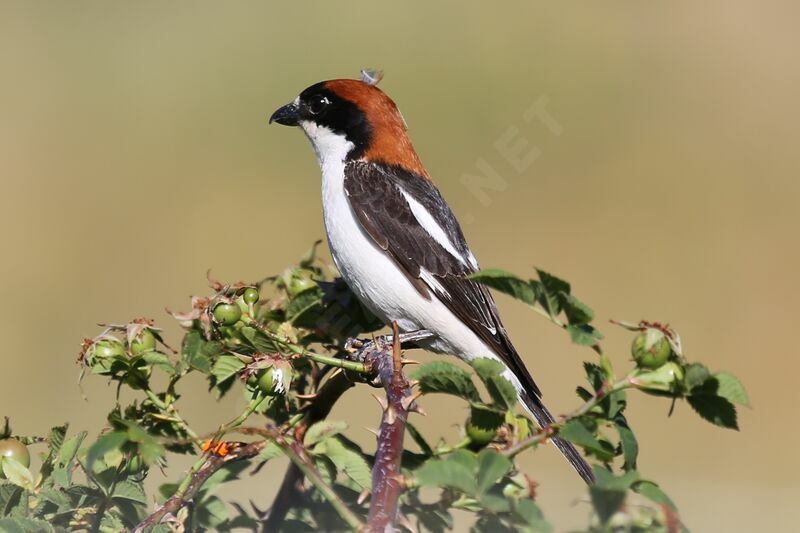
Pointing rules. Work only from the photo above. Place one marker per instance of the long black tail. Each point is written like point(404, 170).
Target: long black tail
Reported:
point(543, 418)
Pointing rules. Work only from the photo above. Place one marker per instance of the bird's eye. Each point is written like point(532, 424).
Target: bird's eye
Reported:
point(318, 104)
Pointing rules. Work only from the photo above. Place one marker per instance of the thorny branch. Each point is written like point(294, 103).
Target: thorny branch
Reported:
point(387, 482)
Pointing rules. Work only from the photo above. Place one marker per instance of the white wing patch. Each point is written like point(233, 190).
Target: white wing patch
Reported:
point(433, 283)
point(430, 225)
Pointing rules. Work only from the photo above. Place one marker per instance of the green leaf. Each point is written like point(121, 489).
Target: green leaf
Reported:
point(506, 283)
point(17, 473)
point(550, 288)
point(606, 502)
point(653, 492)
point(128, 490)
point(577, 433)
point(24, 525)
point(193, 353)
point(158, 360)
point(107, 442)
point(627, 440)
point(584, 334)
point(447, 473)
point(149, 447)
point(486, 418)
point(500, 389)
point(715, 409)
point(491, 467)
point(731, 388)
point(348, 461)
point(532, 516)
point(419, 439)
point(226, 367)
point(56, 438)
point(444, 377)
point(577, 312)
point(696, 375)
point(303, 302)
point(323, 430)
point(270, 451)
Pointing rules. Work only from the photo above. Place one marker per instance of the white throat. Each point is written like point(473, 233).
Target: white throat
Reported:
point(331, 148)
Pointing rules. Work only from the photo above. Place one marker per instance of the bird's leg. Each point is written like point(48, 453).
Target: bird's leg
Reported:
point(368, 351)
point(358, 348)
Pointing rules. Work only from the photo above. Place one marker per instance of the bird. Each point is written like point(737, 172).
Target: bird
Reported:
point(394, 239)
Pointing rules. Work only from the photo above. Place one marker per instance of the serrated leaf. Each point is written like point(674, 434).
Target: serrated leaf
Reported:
point(507, 283)
point(575, 432)
point(444, 377)
point(158, 360)
point(128, 490)
point(55, 439)
point(696, 375)
point(584, 334)
point(446, 473)
point(653, 492)
point(532, 516)
point(576, 311)
point(17, 473)
point(193, 353)
point(628, 443)
point(225, 367)
point(715, 409)
point(499, 388)
point(550, 287)
point(491, 467)
point(303, 302)
point(107, 442)
point(348, 461)
point(606, 502)
point(323, 430)
point(731, 388)
point(24, 525)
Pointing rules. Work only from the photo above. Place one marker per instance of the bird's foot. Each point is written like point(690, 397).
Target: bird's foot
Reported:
point(359, 347)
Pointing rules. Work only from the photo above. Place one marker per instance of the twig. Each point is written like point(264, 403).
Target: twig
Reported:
point(553, 428)
point(196, 480)
point(299, 458)
point(387, 483)
point(318, 410)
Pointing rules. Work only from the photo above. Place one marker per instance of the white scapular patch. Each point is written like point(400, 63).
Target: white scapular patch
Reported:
point(433, 283)
point(430, 225)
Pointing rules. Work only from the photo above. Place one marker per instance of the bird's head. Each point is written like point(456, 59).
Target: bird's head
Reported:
point(351, 120)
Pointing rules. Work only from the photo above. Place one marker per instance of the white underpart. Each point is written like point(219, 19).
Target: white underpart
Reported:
point(372, 275)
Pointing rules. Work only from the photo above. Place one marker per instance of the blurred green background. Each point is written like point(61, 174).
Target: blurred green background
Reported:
point(135, 154)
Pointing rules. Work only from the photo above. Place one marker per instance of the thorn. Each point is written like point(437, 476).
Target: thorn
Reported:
point(409, 362)
point(403, 521)
point(419, 410)
point(373, 431)
point(390, 415)
point(307, 396)
point(413, 383)
point(363, 496)
point(335, 373)
point(408, 401)
point(381, 401)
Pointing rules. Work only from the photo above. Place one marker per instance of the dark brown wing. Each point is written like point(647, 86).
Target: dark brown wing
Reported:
point(407, 217)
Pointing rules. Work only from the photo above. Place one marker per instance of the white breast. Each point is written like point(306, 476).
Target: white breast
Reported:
point(370, 272)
